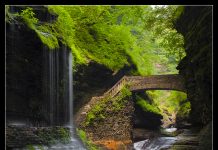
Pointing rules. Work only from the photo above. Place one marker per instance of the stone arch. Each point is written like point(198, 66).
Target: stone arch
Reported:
point(158, 82)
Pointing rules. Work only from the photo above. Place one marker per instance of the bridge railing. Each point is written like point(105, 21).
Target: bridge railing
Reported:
point(117, 87)
point(121, 83)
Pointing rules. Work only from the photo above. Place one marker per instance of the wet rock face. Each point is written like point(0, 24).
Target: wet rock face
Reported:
point(146, 120)
point(90, 81)
point(23, 72)
point(24, 69)
point(142, 119)
point(196, 26)
point(20, 136)
point(205, 135)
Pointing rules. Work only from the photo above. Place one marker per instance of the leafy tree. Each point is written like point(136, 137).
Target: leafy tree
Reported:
point(114, 35)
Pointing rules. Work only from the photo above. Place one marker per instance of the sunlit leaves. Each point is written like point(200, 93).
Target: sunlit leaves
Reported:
point(116, 36)
point(160, 21)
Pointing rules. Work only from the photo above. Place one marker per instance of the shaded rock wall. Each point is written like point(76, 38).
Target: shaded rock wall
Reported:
point(30, 98)
point(206, 137)
point(142, 119)
point(23, 72)
point(20, 136)
point(196, 26)
point(94, 80)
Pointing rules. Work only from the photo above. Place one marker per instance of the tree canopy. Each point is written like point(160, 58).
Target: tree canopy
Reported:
point(114, 36)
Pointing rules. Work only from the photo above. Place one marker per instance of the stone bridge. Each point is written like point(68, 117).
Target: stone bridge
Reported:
point(152, 82)
point(136, 83)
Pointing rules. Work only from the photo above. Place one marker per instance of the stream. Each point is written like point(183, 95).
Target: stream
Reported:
point(187, 139)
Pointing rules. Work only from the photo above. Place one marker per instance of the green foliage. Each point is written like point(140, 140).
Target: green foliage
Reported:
point(119, 102)
point(114, 36)
point(9, 17)
point(125, 92)
point(43, 31)
point(85, 140)
point(110, 35)
point(146, 106)
point(64, 29)
point(160, 21)
point(184, 110)
point(55, 135)
point(45, 34)
point(63, 135)
point(86, 30)
point(28, 17)
point(104, 49)
point(170, 102)
point(30, 147)
point(98, 112)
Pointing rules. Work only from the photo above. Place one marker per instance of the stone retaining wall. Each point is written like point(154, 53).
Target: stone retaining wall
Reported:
point(20, 136)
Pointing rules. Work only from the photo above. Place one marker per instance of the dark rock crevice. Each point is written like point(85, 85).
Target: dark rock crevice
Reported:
point(195, 24)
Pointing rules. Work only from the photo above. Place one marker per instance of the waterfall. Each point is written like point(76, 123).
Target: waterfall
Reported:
point(70, 89)
point(57, 85)
point(58, 93)
point(54, 74)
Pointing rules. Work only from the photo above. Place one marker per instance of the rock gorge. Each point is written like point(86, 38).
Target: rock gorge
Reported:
point(24, 75)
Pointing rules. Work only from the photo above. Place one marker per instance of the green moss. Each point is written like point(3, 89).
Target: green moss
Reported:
point(54, 135)
point(184, 110)
point(119, 102)
point(167, 100)
point(40, 147)
point(146, 106)
point(30, 147)
point(85, 140)
point(47, 37)
point(98, 112)
point(43, 31)
point(63, 134)
point(94, 34)
point(28, 17)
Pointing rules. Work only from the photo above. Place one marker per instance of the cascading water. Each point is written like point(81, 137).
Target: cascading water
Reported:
point(70, 89)
point(55, 78)
point(157, 143)
point(58, 84)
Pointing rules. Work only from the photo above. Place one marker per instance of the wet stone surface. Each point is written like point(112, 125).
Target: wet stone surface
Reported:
point(21, 136)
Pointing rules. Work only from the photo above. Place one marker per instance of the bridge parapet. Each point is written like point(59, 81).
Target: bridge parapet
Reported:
point(153, 82)
point(159, 82)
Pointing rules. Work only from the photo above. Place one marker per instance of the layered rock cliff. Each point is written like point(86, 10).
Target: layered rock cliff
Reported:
point(196, 26)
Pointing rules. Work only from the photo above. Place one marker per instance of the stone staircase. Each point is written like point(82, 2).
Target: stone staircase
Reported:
point(81, 114)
